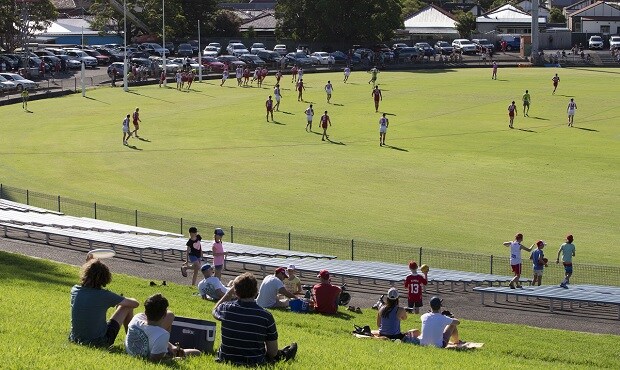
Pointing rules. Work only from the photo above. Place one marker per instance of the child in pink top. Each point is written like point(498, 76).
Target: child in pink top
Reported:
point(218, 252)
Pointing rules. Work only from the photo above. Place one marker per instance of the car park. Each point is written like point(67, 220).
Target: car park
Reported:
point(464, 46)
point(83, 57)
point(322, 58)
point(342, 58)
point(101, 59)
point(269, 56)
point(298, 58)
point(211, 64)
point(595, 42)
point(483, 45)
point(426, 48)
point(256, 47)
point(252, 60)
point(237, 49)
point(70, 62)
point(231, 61)
point(42, 52)
point(280, 49)
point(211, 51)
point(443, 47)
point(614, 42)
point(114, 55)
point(20, 82)
point(185, 50)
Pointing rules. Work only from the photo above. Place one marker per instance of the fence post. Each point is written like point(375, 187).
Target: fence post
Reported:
point(420, 259)
point(352, 249)
point(181, 225)
point(289, 241)
point(59, 204)
point(136, 218)
point(491, 264)
point(75, 84)
point(95, 206)
point(1, 192)
point(231, 234)
point(27, 197)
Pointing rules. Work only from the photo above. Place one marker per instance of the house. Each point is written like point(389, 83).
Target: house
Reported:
point(264, 25)
point(600, 17)
point(432, 20)
point(256, 5)
point(464, 6)
point(526, 5)
point(507, 19)
point(72, 8)
point(73, 31)
point(570, 9)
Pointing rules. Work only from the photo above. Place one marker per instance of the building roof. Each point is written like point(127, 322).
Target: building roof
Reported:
point(598, 9)
point(68, 26)
point(264, 22)
point(71, 4)
point(507, 14)
point(252, 5)
point(431, 16)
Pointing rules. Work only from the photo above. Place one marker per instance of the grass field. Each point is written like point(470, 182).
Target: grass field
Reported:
point(455, 177)
point(36, 322)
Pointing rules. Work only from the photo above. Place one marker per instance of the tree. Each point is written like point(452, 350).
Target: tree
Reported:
point(225, 23)
point(556, 16)
point(14, 27)
point(327, 20)
point(465, 23)
point(411, 6)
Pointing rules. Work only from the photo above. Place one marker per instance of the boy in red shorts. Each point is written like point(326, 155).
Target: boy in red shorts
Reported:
point(414, 284)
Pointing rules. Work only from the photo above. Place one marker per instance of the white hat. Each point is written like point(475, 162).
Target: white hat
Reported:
point(393, 293)
point(291, 267)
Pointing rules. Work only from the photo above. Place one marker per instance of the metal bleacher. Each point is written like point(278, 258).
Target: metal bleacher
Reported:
point(595, 294)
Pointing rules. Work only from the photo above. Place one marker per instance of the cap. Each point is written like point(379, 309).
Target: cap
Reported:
point(436, 303)
point(569, 237)
point(413, 265)
point(392, 293)
point(281, 270)
point(323, 274)
point(541, 243)
point(291, 267)
point(205, 267)
point(219, 231)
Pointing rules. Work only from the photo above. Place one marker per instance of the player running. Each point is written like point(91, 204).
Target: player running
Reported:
point(568, 252)
point(224, 76)
point(294, 73)
point(494, 75)
point(324, 122)
point(300, 88)
point(136, 123)
point(414, 284)
point(376, 94)
point(570, 110)
point(239, 75)
point(278, 77)
point(269, 106)
point(556, 81)
point(373, 75)
point(309, 115)
point(277, 93)
point(126, 132)
point(515, 258)
point(328, 89)
point(383, 125)
point(347, 73)
point(512, 111)
point(526, 103)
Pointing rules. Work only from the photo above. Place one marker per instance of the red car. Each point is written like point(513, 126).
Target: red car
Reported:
point(212, 64)
point(101, 59)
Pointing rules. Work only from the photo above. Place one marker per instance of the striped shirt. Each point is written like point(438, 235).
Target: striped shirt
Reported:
point(245, 329)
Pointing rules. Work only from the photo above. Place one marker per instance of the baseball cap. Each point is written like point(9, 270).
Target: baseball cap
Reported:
point(291, 267)
point(281, 270)
point(323, 274)
point(569, 237)
point(541, 243)
point(205, 267)
point(393, 293)
point(219, 231)
point(436, 303)
point(413, 265)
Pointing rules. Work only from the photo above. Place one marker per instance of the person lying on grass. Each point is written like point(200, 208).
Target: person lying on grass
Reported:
point(149, 332)
point(438, 328)
point(90, 303)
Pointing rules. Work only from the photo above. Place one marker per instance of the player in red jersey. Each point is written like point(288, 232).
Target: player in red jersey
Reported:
point(294, 73)
point(376, 94)
point(414, 284)
point(300, 89)
point(556, 80)
point(136, 123)
point(246, 76)
point(512, 111)
point(324, 122)
point(269, 106)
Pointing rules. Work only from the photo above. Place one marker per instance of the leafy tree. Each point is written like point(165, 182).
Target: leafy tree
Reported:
point(225, 23)
point(410, 7)
point(465, 23)
point(556, 16)
point(40, 14)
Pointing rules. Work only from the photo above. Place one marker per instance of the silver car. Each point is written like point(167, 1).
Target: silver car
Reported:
point(20, 82)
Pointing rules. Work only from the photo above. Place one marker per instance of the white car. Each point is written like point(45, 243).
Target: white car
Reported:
point(595, 42)
point(322, 57)
point(216, 45)
point(83, 57)
point(256, 47)
point(171, 67)
point(6, 85)
point(20, 82)
point(180, 62)
point(464, 46)
point(211, 51)
point(237, 49)
point(614, 42)
point(280, 49)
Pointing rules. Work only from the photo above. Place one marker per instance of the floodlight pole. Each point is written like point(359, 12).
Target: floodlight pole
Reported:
point(199, 56)
point(534, 55)
point(125, 88)
point(163, 37)
point(82, 79)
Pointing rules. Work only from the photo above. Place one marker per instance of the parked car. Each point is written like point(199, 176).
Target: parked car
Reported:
point(426, 48)
point(153, 49)
point(51, 60)
point(512, 42)
point(211, 51)
point(10, 64)
point(216, 45)
point(101, 59)
point(252, 60)
point(231, 61)
point(237, 49)
point(399, 45)
point(118, 66)
point(595, 42)
point(193, 64)
point(464, 46)
point(185, 50)
point(443, 47)
point(483, 45)
point(42, 52)
point(280, 49)
point(83, 57)
point(410, 52)
point(269, 56)
point(298, 58)
point(614, 42)
point(342, 58)
point(114, 56)
point(194, 44)
point(322, 58)
point(7, 85)
point(256, 47)
point(170, 47)
point(70, 62)
point(20, 82)
point(211, 64)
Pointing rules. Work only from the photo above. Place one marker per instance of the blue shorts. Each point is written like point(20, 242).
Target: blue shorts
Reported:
point(193, 258)
point(568, 267)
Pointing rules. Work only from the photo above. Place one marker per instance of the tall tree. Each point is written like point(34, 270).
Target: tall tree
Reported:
point(556, 16)
point(225, 23)
point(411, 6)
point(19, 20)
point(465, 23)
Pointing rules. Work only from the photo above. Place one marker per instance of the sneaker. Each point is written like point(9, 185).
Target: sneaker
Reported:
point(152, 283)
point(563, 286)
point(288, 352)
point(511, 286)
point(409, 310)
point(184, 271)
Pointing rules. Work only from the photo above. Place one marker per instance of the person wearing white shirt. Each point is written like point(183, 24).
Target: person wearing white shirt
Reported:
point(210, 287)
point(271, 286)
point(438, 328)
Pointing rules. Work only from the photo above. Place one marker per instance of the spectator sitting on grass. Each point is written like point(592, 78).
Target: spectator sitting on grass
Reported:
point(325, 295)
point(271, 286)
point(292, 283)
point(438, 328)
point(390, 315)
point(210, 287)
point(249, 333)
point(90, 303)
point(148, 335)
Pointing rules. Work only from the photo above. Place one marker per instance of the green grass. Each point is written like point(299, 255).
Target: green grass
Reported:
point(462, 181)
point(36, 321)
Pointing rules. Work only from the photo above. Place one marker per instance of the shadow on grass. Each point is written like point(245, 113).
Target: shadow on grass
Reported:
point(120, 350)
point(278, 123)
point(389, 114)
point(526, 130)
point(144, 139)
point(15, 266)
point(133, 147)
point(395, 148)
point(335, 142)
point(585, 129)
point(150, 97)
point(592, 70)
point(285, 112)
point(338, 104)
point(97, 100)
point(540, 118)
point(566, 96)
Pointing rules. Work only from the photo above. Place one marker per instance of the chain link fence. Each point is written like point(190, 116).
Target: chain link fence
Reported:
point(345, 249)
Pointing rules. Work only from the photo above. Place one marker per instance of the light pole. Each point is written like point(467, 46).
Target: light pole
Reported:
point(163, 33)
point(125, 88)
point(199, 55)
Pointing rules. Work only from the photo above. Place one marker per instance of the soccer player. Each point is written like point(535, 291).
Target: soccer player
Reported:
point(239, 75)
point(376, 94)
point(526, 103)
point(538, 262)
point(278, 77)
point(324, 122)
point(494, 75)
point(570, 110)
point(126, 133)
point(136, 123)
point(269, 106)
point(568, 252)
point(300, 74)
point(515, 258)
point(347, 73)
point(294, 73)
point(162, 77)
point(383, 125)
point(300, 89)
point(414, 284)
point(309, 115)
point(224, 76)
point(277, 93)
point(373, 75)
point(556, 80)
point(246, 76)
point(512, 111)
point(328, 89)
point(25, 96)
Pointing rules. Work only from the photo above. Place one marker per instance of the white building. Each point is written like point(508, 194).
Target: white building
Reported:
point(507, 19)
point(431, 20)
point(526, 5)
point(600, 17)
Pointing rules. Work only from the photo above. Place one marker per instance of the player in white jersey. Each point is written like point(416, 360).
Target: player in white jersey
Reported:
point(383, 125)
point(278, 95)
point(515, 258)
point(347, 73)
point(224, 76)
point(309, 115)
point(239, 75)
point(570, 110)
point(512, 111)
point(328, 89)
